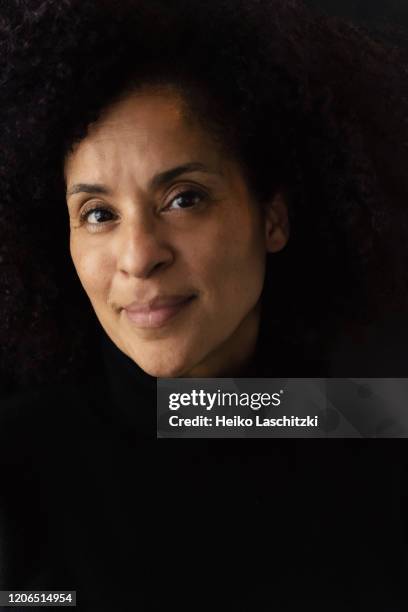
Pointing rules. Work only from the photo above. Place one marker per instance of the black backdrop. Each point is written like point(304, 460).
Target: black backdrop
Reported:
point(371, 12)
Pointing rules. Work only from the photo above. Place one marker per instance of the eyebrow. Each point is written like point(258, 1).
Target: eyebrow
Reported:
point(88, 188)
point(157, 181)
point(168, 175)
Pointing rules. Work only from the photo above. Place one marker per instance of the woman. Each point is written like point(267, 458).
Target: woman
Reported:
point(303, 153)
point(227, 180)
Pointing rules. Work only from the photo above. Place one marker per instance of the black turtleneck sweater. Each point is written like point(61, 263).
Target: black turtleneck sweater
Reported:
point(92, 501)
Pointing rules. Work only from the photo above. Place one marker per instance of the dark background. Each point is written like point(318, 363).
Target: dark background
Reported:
point(370, 12)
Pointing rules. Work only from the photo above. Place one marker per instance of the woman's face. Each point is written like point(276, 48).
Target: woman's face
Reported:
point(166, 239)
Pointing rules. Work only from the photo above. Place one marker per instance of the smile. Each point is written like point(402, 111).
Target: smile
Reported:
point(155, 316)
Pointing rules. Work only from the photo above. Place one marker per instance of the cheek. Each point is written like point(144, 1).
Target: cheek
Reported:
point(230, 261)
point(93, 267)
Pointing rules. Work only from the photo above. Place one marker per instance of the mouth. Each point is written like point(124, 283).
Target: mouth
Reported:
point(157, 313)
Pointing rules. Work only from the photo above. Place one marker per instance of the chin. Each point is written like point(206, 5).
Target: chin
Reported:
point(160, 368)
point(162, 372)
point(171, 358)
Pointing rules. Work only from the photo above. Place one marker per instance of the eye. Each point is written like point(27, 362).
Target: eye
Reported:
point(186, 199)
point(97, 216)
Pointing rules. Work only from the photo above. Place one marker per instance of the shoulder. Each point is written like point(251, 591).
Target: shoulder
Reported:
point(378, 350)
point(48, 417)
point(33, 408)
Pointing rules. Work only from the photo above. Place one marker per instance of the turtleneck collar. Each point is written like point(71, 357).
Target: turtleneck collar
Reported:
point(133, 392)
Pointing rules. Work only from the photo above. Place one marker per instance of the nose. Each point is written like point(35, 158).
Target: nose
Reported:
point(141, 251)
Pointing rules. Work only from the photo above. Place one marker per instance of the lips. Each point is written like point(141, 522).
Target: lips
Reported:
point(158, 311)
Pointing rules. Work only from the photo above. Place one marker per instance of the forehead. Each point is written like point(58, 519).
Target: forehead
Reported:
point(144, 132)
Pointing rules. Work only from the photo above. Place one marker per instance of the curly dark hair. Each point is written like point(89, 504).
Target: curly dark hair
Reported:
point(309, 104)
